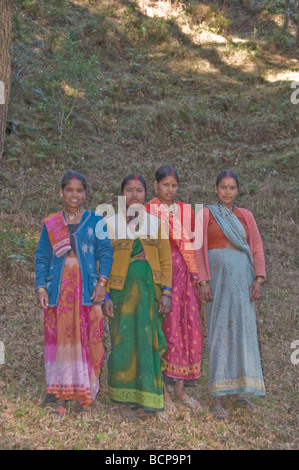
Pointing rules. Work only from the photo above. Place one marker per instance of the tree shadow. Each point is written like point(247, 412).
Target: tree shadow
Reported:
point(120, 58)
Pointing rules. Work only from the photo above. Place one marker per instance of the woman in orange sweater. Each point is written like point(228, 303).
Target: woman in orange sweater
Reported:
point(232, 272)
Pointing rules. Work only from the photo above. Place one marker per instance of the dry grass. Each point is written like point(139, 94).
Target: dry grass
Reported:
point(120, 91)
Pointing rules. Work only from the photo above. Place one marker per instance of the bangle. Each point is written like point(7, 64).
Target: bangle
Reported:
point(167, 291)
point(167, 294)
point(167, 288)
point(40, 289)
point(107, 296)
point(102, 282)
point(260, 280)
point(203, 283)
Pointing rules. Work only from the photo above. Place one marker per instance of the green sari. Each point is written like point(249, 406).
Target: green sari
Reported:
point(138, 343)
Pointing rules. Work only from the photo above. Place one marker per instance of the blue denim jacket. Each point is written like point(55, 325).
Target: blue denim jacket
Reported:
point(90, 249)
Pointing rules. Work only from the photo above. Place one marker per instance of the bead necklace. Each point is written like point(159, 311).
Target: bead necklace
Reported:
point(72, 216)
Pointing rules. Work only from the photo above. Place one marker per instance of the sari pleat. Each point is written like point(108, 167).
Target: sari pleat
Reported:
point(182, 326)
point(74, 351)
point(137, 341)
point(234, 357)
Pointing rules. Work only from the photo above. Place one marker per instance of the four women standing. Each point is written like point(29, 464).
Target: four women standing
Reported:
point(151, 300)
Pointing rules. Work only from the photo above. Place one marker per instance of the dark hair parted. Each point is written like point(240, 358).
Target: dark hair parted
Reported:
point(226, 174)
point(164, 171)
point(69, 175)
point(130, 178)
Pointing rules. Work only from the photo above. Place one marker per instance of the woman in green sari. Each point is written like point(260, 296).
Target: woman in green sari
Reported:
point(138, 299)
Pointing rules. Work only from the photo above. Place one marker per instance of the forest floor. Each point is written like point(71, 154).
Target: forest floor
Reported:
point(112, 87)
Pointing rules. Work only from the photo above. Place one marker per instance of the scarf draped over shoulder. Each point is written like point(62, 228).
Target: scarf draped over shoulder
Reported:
point(231, 227)
point(179, 235)
point(58, 233)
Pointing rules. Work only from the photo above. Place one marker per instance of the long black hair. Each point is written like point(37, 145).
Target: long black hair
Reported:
point(69, 175)
point(227, 174)
point(133, 177)
point(164, 171)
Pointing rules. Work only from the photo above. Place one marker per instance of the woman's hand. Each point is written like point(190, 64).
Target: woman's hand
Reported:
point(108, 309)
point(98, 294)
point(42, 299)
point(205, 293)
point(256, 291)
point(164, 305)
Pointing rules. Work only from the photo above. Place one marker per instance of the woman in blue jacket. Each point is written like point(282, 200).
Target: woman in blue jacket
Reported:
point(72, 269)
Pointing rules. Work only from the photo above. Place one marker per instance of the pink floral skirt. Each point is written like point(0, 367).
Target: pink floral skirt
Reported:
point(182, 326)
point(74, 350)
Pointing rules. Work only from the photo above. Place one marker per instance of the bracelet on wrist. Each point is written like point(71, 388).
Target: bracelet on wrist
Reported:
point(167, 294)
point(40, 289)
point(203, 283)
point(107, 296)
point(260, 280)
point(102, 282)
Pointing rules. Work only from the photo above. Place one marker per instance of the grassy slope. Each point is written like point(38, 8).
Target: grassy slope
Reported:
point(113, 87)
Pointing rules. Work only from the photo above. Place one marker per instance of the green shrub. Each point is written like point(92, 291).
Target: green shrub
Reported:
point(17, 250)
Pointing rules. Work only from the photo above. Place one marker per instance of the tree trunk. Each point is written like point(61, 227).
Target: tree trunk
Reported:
point(287, 15)
point(5, 64)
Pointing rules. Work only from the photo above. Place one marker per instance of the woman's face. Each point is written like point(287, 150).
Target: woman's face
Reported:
point(227, 191)
point(134, 193)
point(166, 189)
point(73, 195)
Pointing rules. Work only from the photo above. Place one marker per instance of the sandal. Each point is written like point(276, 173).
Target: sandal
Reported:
point(168, 405)
point(50, 398)
point(247, 404)
point(59, 408)
point(193, 404)
point(220, 412)
point(83, 413)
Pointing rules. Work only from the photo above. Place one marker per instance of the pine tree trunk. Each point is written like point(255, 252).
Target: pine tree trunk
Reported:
point(5, 64)
point(287, 15)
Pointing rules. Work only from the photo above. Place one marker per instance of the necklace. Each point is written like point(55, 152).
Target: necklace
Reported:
point(72, 216)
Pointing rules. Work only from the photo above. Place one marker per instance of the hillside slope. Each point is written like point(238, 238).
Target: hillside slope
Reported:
point(112, 87)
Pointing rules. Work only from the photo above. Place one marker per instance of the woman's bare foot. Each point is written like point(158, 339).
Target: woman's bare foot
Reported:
point(168, 403)
point(128, 413)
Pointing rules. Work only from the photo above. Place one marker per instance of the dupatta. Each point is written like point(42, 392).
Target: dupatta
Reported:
point(58, 233)
point(179, 235)
point(231, 227)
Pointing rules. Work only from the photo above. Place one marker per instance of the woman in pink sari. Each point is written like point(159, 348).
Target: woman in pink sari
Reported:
point(182, 326)
point(72, 268)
